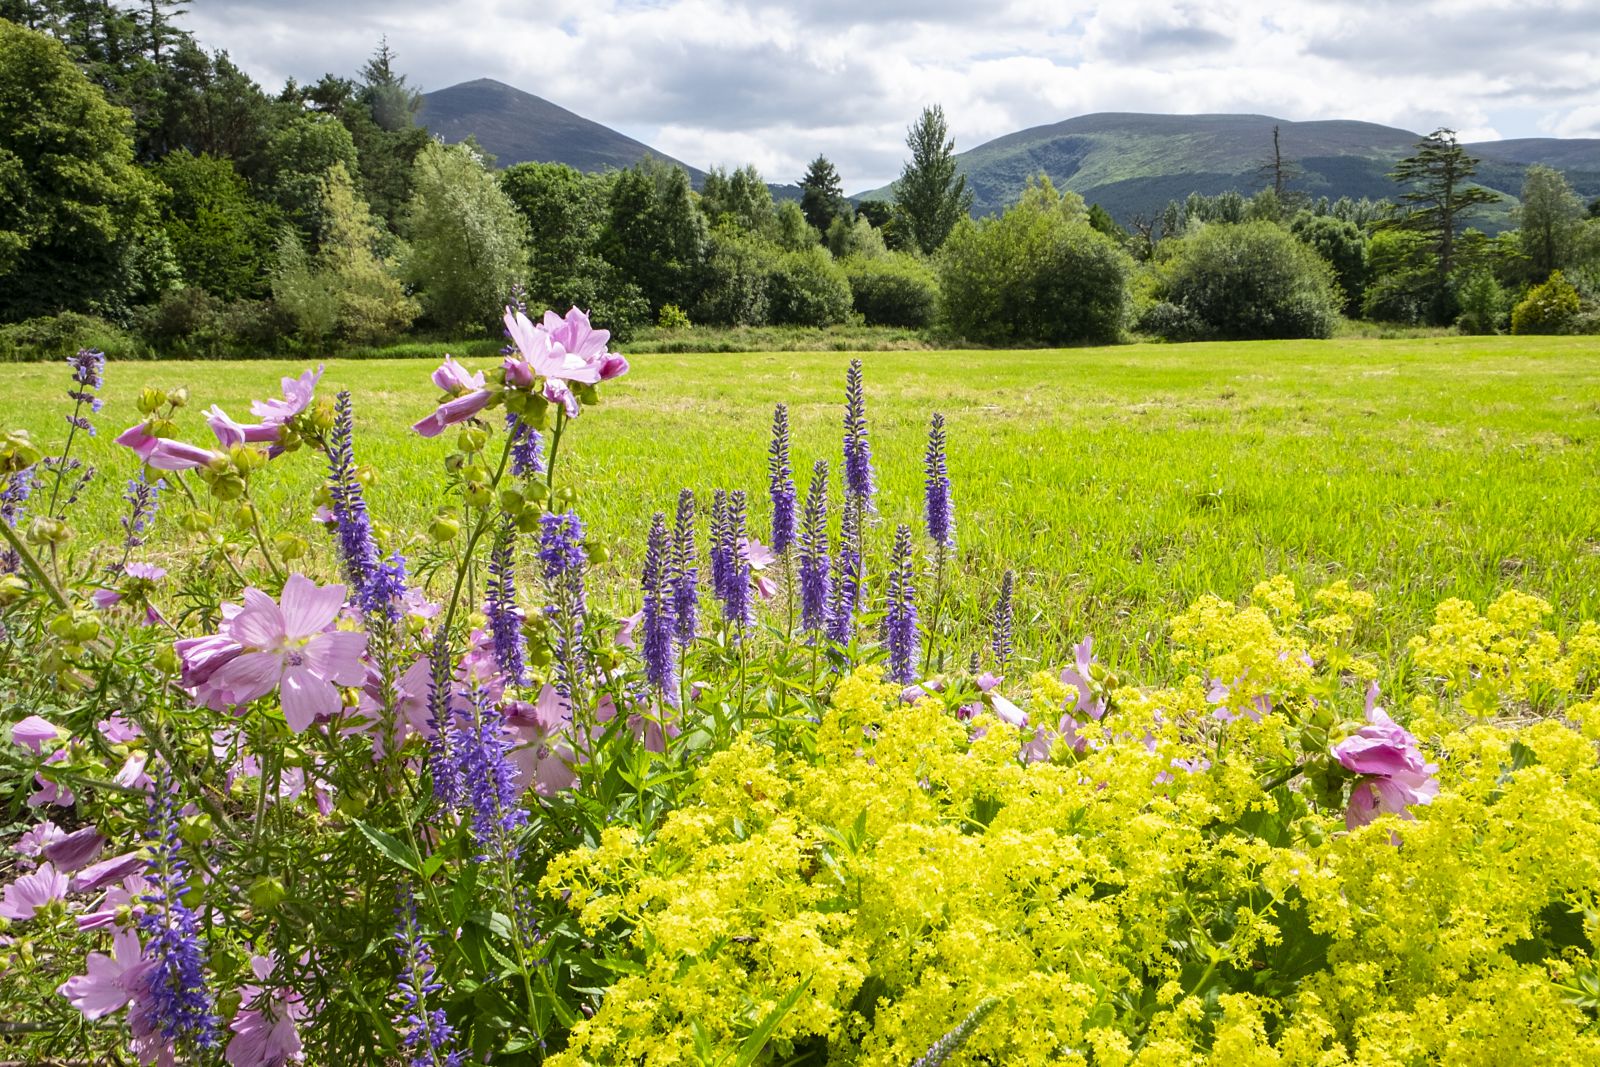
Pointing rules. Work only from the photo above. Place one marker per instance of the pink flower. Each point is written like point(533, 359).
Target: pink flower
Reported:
point(291, 649)
point(1079, 677)
point(230, 433)
point(760, 557)
point(541, 756)
point(74, 850)
point(107, 871)
point(574, 334)
point(541, 355)
point(33, 842)
point(112, 981)
point(1394, 773)
point(30, 892)
point(410, 700)
point(265, 1035)
point(625, 629)
point(467, 397)
point(33, 733)
point(118, 730)
point(163, 453)
point(51, 792)
point(297, 396)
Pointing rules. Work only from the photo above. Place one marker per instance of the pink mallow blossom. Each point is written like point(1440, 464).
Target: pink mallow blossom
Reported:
point(34, 733)
point(297, 396)
point(289, 647)
point(560, 351)
point(164, 453)
point(264, 1031)
point(112, 981)
point(466, 396)
point(24, 897)
point(1394, 773)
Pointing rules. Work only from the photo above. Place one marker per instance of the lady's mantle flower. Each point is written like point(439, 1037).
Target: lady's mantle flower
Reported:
point(288, 647)
point(1394, 774)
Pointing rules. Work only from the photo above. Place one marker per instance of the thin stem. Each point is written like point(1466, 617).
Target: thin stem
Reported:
point(61, 463)
point(261, 537)
point(555, 450)
point(31, 565)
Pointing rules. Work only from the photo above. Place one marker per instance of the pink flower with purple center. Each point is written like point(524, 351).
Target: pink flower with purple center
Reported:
point(164, 453)
point(561, 352)
point(297, 396)
point(264, 1032)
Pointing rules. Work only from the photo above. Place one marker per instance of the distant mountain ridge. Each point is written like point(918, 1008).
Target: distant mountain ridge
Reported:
point(1133, 163)
point(1129, 163)
point(518, 127)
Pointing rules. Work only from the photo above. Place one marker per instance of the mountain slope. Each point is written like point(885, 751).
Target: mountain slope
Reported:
point(1134, 163)
point(518, 127)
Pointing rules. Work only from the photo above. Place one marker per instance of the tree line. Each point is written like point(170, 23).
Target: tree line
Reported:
point(150, 188)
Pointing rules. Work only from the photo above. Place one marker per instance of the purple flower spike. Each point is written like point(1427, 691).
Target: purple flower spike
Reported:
point(816, 585)
point(938, 507)
point(505, 617)
point(780, 477)
point(659, 628)
point(425, 1034)
point(683, 573)
point(846, 598)
point(1002, 622)
point(176, 1005)
point(900, 619)
point(736, 607)
point(857, 449)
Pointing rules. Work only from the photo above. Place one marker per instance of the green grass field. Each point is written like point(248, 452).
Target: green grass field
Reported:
point(1120, 483)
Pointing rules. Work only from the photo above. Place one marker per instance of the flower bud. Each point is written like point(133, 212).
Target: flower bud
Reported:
point(227, 487)
point(197, 521)
point(537, 413)
point(244, 517)
point(477, 495)
point(18, 452)
point(511, 501)
point(161, 428)
point(47, 531)
point(12, 588)
point(587, 393)
point(444, 527)
point(366, 476)
point(527, 520)
point(322, 415)
point(290, 546)
point(246, 458)
point(537, 491)
point(166, 660)
point(472, 439)
point(85, 627)
point(195, 829)
point(151, 400)
point(178, 397)
point(597, 553)
point(267, 892)
point(288, 439)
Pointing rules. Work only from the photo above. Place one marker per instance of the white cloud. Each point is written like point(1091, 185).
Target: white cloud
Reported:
point(774, 82)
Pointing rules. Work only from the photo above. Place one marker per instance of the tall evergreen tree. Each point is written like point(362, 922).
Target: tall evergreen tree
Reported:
point(1440, 193)
point(821, 194)
point(930, 196)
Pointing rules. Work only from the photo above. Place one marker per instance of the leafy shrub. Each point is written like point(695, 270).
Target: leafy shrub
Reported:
point(1038, 274)
point(893, 289)
point(672, 317)
point(1483, 303)
point(1551, 307)
point(184, 322)
point(1171, 322)
point(58, 336)
point(1251, 281)
point(1343, 246)
point(735, 290)
point(807, 288)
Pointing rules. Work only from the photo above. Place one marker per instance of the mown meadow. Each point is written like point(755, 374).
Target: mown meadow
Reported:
point(1120, 483)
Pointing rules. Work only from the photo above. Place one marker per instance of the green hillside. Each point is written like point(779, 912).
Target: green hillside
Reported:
point(1134, 163)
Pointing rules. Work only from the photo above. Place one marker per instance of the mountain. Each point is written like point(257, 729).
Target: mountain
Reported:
point(518, 127)
point(1133, 163)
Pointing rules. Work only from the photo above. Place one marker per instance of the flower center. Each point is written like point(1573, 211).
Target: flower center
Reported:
point(294, 658)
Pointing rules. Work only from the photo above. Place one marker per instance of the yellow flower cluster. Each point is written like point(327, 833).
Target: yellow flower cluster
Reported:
point(854, 901)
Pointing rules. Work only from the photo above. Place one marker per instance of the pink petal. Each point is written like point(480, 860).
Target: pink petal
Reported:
point(306, 696)
point(336, 656)
point(247, 677)
point(260, 624)
point(33, 733)
point(309, 608)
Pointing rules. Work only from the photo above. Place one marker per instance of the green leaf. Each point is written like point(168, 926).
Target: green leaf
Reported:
point(391, 846)
point(757, 1041)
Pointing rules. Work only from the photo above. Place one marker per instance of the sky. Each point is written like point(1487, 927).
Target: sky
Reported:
point(775, 82)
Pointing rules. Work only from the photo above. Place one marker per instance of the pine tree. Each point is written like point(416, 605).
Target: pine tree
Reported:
point(1440, 193)
point(822, 196)
point(930, 196)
